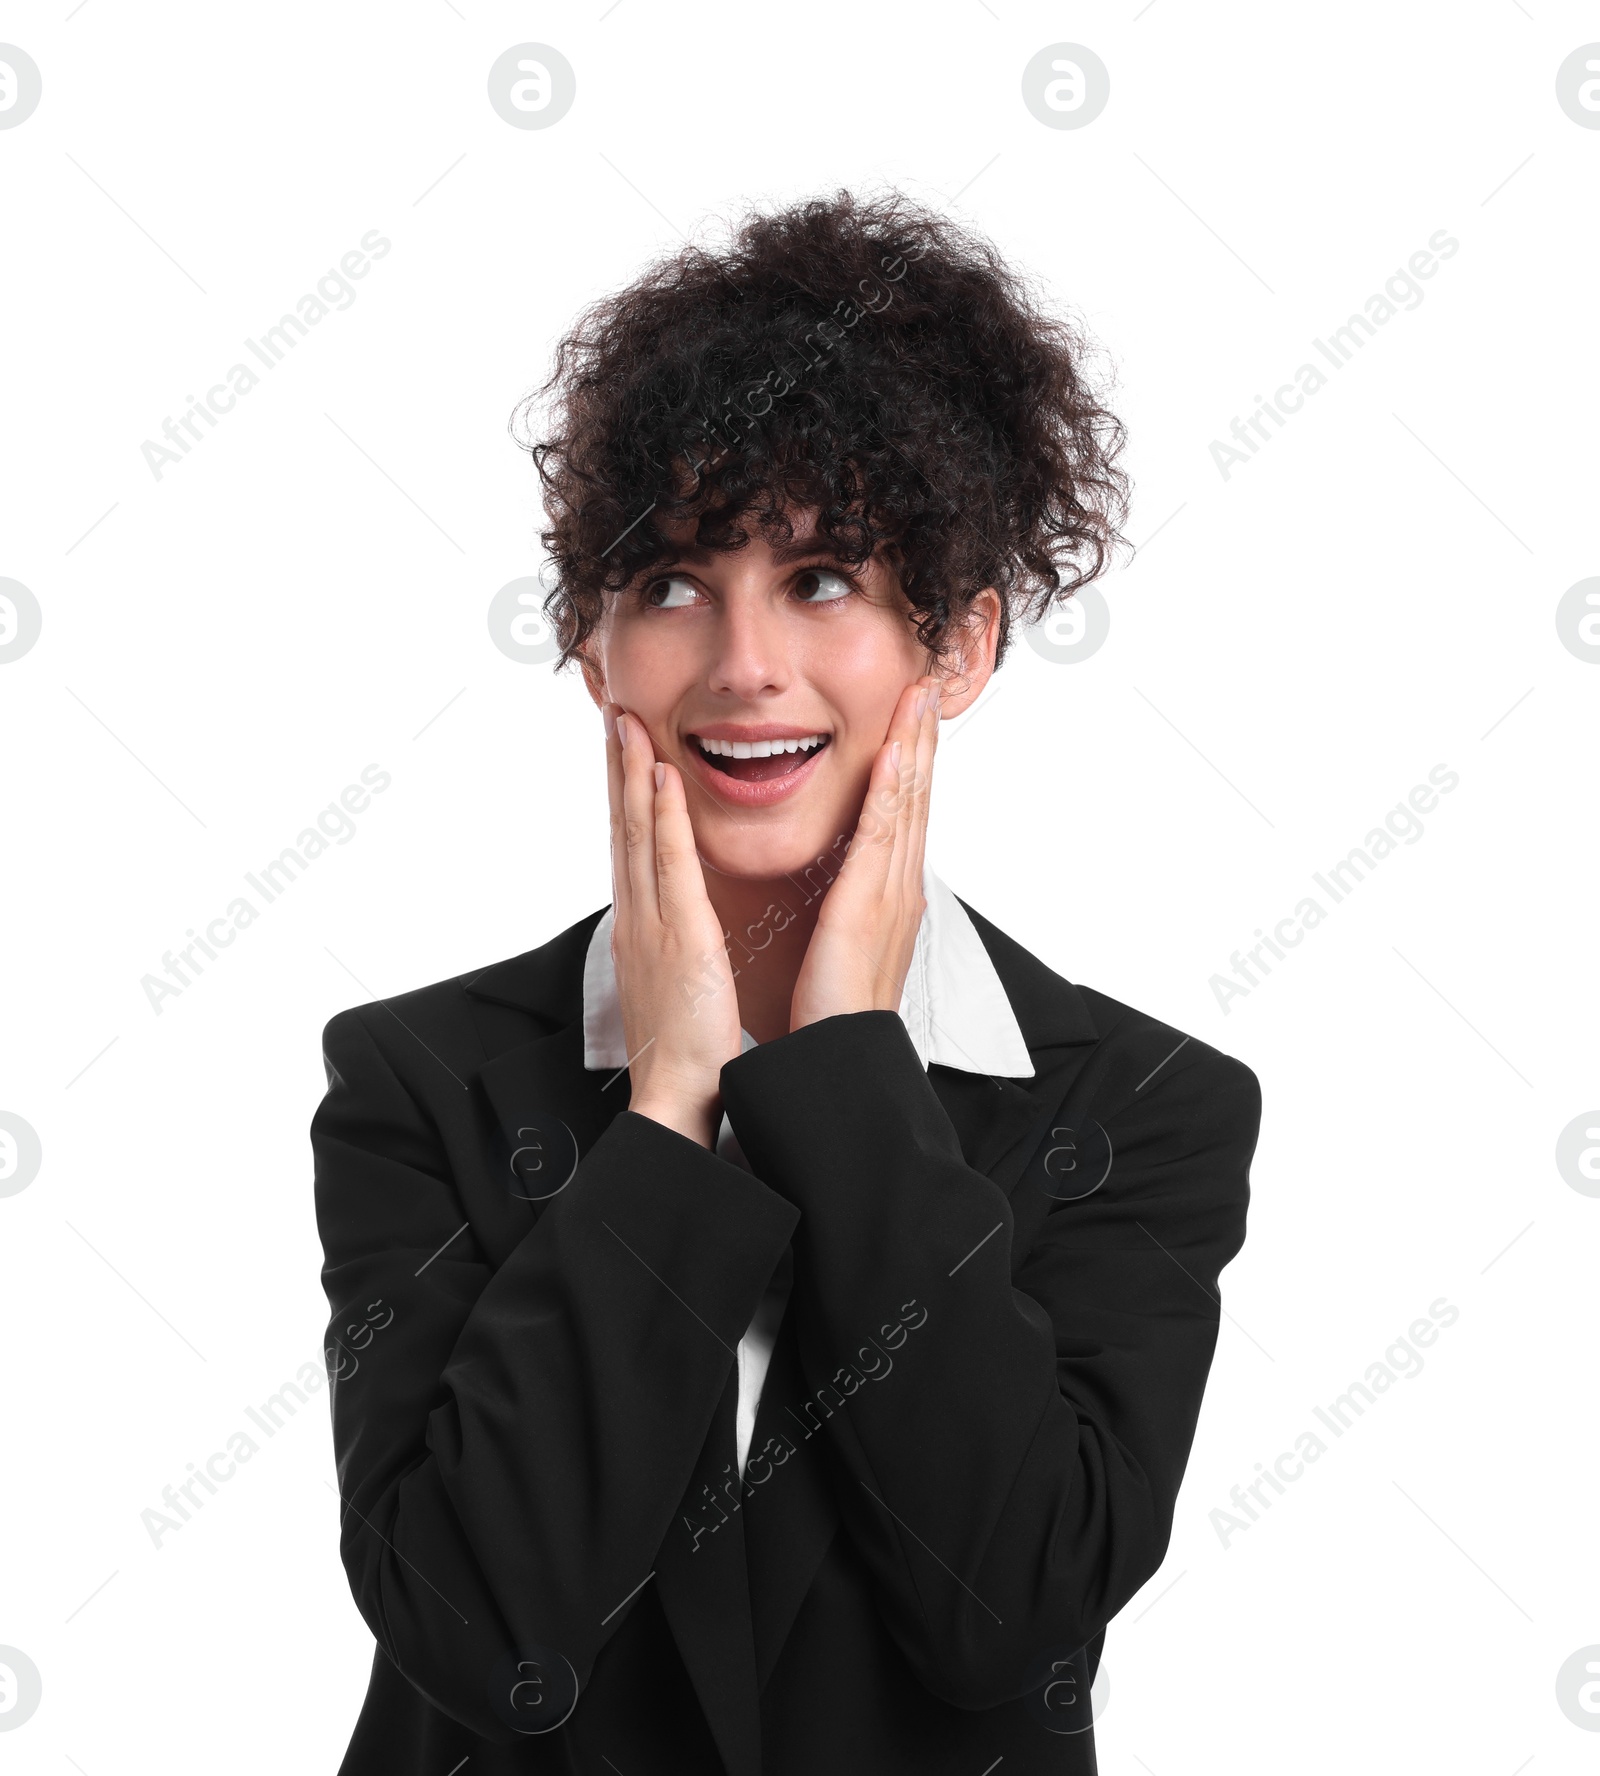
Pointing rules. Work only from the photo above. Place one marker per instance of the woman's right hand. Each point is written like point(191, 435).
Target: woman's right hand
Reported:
point(680, 1012)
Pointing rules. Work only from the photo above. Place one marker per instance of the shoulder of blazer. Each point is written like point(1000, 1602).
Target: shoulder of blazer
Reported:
point(545, 983)
point(1158, 1076)
point(1129, 1044)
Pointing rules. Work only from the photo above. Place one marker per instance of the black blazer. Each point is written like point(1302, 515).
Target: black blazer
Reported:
point(973, 1427)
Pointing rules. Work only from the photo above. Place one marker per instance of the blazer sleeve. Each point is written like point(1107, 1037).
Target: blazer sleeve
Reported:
point(512, 1442)
point(1011, 1466)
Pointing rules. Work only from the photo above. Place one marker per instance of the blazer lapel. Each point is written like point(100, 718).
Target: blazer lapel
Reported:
point(1002, 1122)
point(705, 1593)
point(549, 1110)
point(790, 1516)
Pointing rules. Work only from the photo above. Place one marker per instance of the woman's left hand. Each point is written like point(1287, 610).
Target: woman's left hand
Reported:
point(867, 924)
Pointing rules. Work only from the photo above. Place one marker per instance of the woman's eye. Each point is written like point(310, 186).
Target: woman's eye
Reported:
point(821, 585)
point(670, 592)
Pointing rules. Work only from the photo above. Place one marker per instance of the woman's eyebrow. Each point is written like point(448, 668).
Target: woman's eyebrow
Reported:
point(808, 545)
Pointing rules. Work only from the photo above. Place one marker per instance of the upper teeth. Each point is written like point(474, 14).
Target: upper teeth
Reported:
point(758, 749)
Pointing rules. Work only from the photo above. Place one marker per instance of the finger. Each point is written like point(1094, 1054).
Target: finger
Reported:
point(916, 822)
point(680, 881)
point(908, 810)
point(906, 730)
point(620, 899)
point(873, 846)
point(639, 820)
point(681, 884)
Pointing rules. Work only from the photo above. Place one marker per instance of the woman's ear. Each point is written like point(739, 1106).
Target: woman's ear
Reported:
point(970, 664)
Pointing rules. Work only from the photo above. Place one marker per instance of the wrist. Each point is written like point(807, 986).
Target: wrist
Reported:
point(813, 1011)
point(697, 1122)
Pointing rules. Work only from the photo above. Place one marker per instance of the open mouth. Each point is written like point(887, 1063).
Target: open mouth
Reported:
point(759, 761)
point(755, 773)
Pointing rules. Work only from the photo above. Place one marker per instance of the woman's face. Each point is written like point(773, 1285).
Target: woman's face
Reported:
point(773, 651)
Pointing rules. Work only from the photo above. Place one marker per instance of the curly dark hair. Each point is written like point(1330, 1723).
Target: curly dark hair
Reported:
point(867, 358)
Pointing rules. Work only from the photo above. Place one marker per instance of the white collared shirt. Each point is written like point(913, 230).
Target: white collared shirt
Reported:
point(956, 1013)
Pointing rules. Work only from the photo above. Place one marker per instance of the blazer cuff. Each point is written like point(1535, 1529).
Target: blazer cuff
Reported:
point(685, 1211)
point(843, 1092)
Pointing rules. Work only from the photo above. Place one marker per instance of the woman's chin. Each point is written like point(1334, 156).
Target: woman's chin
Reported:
point(805, 839)
point(757, 855)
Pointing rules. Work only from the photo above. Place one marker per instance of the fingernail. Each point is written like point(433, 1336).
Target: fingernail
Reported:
point(608, 715)
point(894, 755)
point(661, 774)
point(622, 730)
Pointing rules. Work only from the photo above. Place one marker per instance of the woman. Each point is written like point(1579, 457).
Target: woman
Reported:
point(770, 1318)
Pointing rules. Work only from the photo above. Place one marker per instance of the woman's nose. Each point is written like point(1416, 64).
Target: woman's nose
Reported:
point(750, 649)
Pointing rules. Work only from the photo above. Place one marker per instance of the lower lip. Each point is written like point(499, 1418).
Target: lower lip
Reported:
point(751, 794)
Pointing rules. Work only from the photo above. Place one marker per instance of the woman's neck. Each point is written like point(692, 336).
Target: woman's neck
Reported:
point(768, 926)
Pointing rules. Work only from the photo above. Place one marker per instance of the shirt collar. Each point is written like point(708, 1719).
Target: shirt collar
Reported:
point(954, 1007)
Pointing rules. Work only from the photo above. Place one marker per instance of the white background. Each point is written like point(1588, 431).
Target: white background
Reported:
point(1373, 594)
